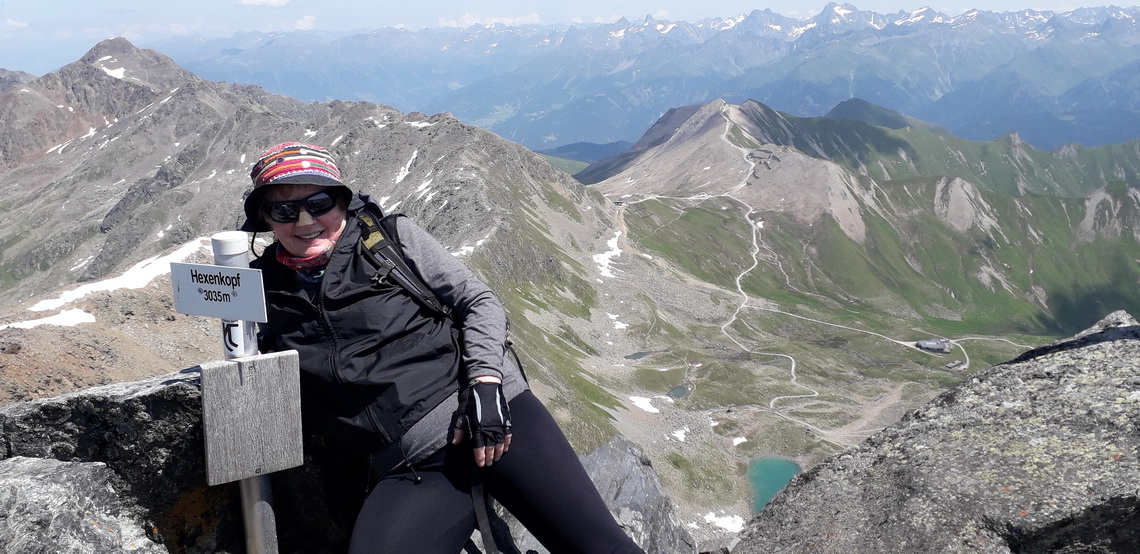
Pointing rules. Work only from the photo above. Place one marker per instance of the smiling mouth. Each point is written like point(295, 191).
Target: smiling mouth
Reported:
point(310, 236)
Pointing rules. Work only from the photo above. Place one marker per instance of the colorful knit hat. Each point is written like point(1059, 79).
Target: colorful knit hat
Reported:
point(288, 163)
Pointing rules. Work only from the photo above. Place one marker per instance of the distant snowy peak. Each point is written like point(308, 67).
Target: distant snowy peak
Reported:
point(757, 22)
point(841, 18)
point(119, 59)
point(624, 34)
point(834, 18)
point(922, 15)
point(838, 18)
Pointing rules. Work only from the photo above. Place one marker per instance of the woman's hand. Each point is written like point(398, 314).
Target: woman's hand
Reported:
point(483, 414)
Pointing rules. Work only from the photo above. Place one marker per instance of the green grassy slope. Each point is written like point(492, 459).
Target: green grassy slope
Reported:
point(1051, 247)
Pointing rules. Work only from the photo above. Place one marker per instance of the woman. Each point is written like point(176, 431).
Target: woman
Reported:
point(430, 402)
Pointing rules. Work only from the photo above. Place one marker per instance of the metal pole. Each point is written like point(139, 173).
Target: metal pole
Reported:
point(257, 514)
point(239, 339)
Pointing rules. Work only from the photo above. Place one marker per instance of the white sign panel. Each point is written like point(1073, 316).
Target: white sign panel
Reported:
point(234, 293)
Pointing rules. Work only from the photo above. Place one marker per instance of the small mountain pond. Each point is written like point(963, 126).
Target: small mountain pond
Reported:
point(768, 476)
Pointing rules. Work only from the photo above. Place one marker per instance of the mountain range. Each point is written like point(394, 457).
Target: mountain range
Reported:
point(863, 207)
point(739, 283)
point(123, 158)
point(1054, 78)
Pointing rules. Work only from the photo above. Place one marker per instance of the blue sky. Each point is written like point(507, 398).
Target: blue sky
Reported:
point(40, 36)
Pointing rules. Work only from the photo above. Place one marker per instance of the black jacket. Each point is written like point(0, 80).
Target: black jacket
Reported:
point(373, 361)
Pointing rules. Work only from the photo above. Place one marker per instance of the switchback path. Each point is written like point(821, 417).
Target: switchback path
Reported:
point(834, 436)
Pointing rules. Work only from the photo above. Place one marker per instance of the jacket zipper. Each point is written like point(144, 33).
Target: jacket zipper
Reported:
point(334, 353)
point(334, 358)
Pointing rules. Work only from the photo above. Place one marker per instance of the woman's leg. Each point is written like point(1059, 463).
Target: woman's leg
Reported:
point(433, 516)
point(542, 483)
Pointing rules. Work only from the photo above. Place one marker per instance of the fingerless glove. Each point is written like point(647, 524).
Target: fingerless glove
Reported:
point(483, 414)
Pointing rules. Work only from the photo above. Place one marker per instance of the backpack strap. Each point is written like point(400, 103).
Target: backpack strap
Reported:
point(482, 518)
point(377, 237)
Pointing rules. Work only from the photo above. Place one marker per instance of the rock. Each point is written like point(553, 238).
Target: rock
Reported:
point(1039, 454)
point(147, 433)
point(626, 480)
point(121, 468)
point(51, 506)
point(630, 487)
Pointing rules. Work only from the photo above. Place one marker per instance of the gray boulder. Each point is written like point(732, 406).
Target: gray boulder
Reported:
point(51, 506)
point(630, 487)
point(1039, 454)
point(628, 483)
point(148, 434)
point(121, 468)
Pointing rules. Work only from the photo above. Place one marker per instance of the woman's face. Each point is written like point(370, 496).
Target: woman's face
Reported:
point(308, 236)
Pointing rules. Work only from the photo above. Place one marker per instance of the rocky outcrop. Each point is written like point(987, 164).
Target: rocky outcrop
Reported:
point(121, 468)
point(53, 506)
point(148, 436)
point(626, 479)
point(1039, 454)
point(11, 79)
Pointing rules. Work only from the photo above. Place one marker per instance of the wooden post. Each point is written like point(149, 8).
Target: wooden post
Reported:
point(251, 417)
point(251, 413)
point(251, 410)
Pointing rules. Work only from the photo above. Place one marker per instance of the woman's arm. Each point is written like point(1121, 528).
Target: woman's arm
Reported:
point(475, 308)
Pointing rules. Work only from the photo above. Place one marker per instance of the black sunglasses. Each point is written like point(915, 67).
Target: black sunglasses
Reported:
point(289, 210)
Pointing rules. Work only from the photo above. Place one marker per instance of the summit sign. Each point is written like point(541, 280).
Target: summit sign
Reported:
point(215, 278)
point(216, 291)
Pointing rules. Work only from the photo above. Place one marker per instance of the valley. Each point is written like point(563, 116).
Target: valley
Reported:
point(739, 284)
point(766, 382)
point(776, 377)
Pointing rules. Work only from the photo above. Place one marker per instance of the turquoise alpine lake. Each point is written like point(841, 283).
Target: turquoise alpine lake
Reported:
point(768, 476)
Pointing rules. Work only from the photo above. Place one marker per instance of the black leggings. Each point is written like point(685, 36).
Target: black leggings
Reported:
point(539, 480)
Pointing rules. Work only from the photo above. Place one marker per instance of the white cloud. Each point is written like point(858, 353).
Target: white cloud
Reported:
point(469, 19)
point(13, 23)
point(305, 23)
point(180, 29)
point(270, 3)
